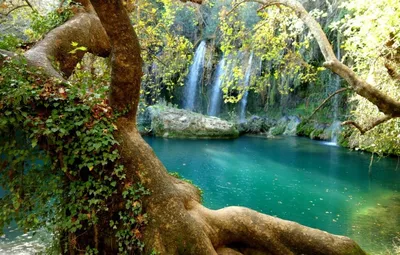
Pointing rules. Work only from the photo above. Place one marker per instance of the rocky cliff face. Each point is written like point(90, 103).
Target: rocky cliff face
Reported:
point(164, 121)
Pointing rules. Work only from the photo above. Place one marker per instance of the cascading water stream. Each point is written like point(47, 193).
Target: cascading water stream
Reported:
point(216, 92)
point(335, 126)
point(243, 102)
point(195, 74)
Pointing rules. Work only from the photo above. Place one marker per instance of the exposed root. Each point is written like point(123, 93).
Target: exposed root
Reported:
point(179, 224)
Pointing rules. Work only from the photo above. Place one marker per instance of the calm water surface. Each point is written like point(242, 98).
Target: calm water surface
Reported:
point(320, 186)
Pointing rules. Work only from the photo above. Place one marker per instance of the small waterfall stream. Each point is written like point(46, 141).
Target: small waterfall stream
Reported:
point(216, 92)
point(243, 102)
point(335, 126)
point(195, 74)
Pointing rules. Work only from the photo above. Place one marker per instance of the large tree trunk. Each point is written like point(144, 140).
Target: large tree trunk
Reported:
point(178, 223)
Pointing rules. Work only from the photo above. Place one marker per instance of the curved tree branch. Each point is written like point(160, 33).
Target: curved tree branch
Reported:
point(391, 69)
point(392, 58)
point(30, 5)
point(15, 8)
point(54, 50)
point(193, 1)
point(385, 103)
point(370, 126)
point(126, 58)
point(325, 101)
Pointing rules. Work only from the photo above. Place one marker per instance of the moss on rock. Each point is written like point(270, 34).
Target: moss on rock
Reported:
point(171, 122)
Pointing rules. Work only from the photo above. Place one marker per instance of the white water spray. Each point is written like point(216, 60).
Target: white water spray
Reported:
point(194, 77)
point(243, 102)
point(216, 92)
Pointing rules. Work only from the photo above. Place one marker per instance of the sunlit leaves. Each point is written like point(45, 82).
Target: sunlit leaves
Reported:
point(277, 40)
point(369, 28)
point(166, 53)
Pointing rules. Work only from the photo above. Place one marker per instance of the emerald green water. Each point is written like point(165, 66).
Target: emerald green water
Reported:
point(297, 179)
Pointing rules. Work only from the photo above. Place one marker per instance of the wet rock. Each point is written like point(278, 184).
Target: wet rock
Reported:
point(256, 125)
point(291, 127)
point(319, 131)
point(171, 122)
point(286, 125)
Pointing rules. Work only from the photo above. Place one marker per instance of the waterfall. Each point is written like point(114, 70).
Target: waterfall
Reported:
point(243, 102)
point(195, 74)
point(335, 126)
point(216, 93)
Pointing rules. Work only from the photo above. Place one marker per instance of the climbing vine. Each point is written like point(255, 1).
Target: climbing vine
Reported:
point(373, 51)
point(60, 161)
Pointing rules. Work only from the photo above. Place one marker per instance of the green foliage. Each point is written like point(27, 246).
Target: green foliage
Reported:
point(166, 53)
point(9, 42)
point(278, 39)
point(77, 48)
point(372, 39)
point(43, 23)
point(59, 159)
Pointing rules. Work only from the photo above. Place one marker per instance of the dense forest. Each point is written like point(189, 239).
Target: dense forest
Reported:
point(82, 82)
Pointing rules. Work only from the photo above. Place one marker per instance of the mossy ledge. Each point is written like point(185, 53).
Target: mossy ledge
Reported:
point(169, 122)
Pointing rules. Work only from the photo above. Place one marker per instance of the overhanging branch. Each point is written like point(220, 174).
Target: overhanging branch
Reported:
point(325, 101)
point(193, 1)
point(370, 126)
point(385, 103)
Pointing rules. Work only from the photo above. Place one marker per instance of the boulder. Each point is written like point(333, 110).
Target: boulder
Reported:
point(280, 127)
point(291, 126)
point(256, 125)
point(286, 125)
point(319, 131)
point(171, 122)
point(331, 132)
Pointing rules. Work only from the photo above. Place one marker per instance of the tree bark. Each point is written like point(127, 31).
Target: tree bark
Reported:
point(54, 50)
point(178, 223)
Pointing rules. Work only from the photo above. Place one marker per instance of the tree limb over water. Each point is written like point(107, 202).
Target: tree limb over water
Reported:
point(370, 126)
